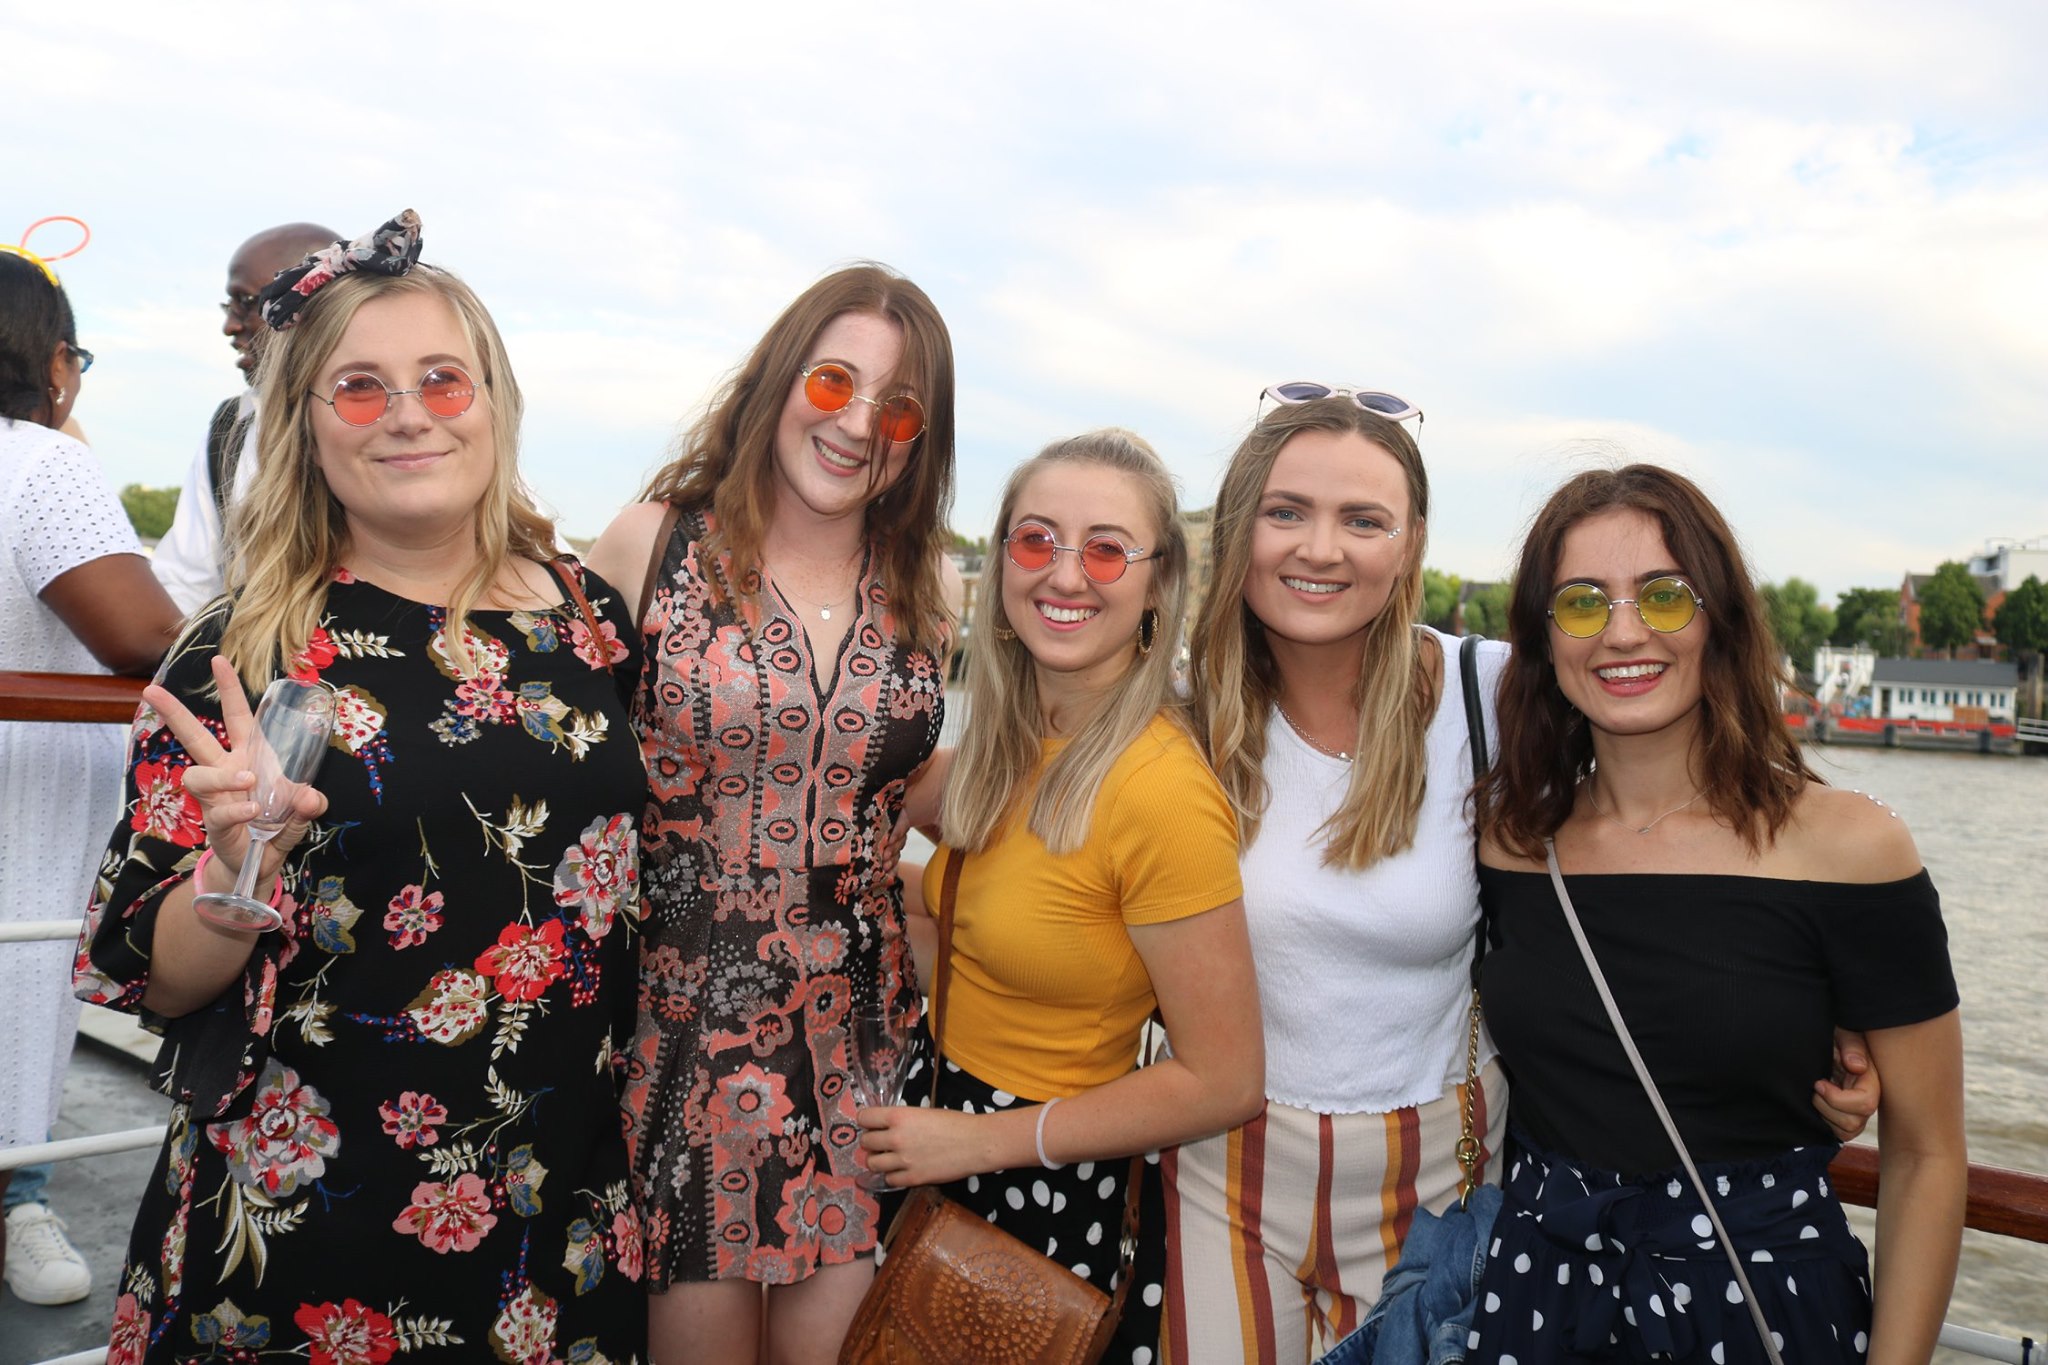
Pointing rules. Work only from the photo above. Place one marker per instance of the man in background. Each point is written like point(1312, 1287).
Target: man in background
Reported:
point(190, 558)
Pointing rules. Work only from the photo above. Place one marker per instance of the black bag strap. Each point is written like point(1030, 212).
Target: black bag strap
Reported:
point(224, 453)
point(1475, 713)
point(1475, 725)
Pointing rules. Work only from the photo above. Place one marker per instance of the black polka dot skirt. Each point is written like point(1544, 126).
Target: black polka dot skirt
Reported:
point(1585, 1265)
point(1074, 1214)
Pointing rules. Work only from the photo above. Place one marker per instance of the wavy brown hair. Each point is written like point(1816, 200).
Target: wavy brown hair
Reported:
point(726, 461)
point(1752, 770)
point(1236, 682)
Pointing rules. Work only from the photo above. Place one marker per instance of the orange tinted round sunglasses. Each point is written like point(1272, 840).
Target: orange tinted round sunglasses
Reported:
point(829, 387)
point(1103, 558)
point(361, 400)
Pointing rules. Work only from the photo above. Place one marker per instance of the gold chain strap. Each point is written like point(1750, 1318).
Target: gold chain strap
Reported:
point(1468, 1140)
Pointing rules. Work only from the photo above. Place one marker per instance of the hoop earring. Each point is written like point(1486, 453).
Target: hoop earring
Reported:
point(1148, 630)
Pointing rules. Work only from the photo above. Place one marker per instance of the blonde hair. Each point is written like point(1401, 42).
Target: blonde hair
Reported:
point(1001, 750)
point(1236, 681)
point(289, 533)
point(727, 460)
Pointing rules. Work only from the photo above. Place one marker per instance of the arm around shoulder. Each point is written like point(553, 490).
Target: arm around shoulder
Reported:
point(624, 551)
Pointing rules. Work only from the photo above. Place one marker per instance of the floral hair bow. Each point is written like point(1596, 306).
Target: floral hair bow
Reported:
point(393, 249)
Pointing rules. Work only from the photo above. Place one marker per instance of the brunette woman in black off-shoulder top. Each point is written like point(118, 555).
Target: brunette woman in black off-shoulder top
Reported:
point(1740, 909)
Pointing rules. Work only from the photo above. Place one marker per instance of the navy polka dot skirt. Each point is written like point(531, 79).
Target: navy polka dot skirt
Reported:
point(1586, 1265)
point(1074, 1215)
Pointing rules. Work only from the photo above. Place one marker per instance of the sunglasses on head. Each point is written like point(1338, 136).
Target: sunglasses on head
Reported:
point(361, 400)
point(1103, 558)
point(1393, 407)
point(1667, 606)
point(829, 387)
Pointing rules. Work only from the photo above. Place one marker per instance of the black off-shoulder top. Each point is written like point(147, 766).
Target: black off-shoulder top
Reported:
point(1732, 987)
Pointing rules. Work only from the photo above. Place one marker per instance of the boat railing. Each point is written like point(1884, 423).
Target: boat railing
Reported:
point(2003, 1202)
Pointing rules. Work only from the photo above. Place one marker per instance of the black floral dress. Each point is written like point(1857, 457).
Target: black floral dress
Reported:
point(399, 1132)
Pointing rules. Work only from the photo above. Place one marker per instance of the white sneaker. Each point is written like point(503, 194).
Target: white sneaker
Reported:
point(42, 1265)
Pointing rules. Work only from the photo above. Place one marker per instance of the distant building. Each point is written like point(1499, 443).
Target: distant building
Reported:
point(1842, 673)
point(970, 565)
point(1945, 690)
point(1199, 525)
point(2011, 562)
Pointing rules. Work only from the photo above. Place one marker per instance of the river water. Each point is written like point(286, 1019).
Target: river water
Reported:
point(1982, 825)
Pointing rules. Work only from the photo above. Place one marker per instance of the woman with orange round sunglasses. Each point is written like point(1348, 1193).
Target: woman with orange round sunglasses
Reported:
point(797, 603)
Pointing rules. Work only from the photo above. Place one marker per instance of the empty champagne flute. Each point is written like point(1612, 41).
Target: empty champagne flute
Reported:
point(284, 749)
point(878, 1043)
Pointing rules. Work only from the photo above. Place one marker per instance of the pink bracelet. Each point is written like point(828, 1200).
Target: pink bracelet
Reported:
point(199, 870)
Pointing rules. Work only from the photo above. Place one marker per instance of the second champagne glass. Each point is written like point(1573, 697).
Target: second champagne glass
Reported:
point(285, 746)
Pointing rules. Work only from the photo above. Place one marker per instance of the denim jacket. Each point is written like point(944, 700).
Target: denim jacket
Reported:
point(1424, 1313)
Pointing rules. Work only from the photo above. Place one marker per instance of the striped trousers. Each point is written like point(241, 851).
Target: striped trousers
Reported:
point(1279, 1232)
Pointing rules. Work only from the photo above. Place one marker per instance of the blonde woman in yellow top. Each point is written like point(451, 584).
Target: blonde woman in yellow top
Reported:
point(1097, 878)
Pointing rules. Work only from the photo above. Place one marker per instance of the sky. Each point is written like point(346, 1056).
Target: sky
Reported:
point(1796, 250)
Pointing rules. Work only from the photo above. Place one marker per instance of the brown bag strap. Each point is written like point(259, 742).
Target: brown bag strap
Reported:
point(655, 556)
point(566, 570)
point(942, 972)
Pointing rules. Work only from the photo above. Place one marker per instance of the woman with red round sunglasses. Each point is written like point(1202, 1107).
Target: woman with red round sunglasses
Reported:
point(1093, 862)
point(797, 602)
point(395, 1119)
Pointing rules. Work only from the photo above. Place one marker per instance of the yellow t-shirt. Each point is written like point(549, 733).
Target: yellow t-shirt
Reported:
point(1048, 993)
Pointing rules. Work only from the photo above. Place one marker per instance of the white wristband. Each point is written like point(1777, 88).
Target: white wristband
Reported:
point(1038, 1137)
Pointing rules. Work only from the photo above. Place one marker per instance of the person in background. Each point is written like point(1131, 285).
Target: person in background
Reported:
point(395, 1123)
point(1739, 908)
point(76, 596)
point(1096, 866)
point(797, 604)
point(190, 558)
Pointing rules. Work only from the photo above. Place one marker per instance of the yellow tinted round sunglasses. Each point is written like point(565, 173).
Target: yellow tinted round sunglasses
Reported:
point(1667, 606)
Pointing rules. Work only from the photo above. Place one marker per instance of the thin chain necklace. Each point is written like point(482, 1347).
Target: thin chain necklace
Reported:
point(824, 609)
point(1306, 737)
point(1593, 795)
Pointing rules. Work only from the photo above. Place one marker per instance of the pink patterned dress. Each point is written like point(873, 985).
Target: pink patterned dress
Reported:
point(768, 858)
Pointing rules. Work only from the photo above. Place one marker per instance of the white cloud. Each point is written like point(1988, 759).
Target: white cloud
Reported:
point(1793, 248)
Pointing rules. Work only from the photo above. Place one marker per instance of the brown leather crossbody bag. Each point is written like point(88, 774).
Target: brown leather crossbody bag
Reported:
point(955, 1289)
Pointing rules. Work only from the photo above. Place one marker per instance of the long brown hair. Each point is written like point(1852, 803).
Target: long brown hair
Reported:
point(1236, 682)
point(290, 532)
point(1750, 768)
point(726, 461)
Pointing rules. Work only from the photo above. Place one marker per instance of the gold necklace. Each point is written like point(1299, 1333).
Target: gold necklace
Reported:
point(1306, 737)
point(1593, 795)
